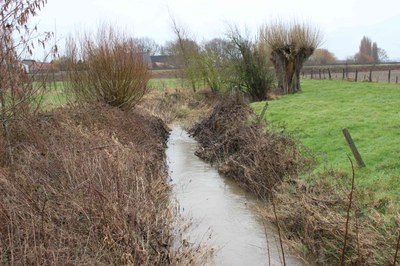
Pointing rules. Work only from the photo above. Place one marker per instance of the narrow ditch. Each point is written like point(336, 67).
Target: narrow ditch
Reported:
point(223, 215)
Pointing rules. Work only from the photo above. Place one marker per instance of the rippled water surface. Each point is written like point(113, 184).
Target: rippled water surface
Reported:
point(222, 212)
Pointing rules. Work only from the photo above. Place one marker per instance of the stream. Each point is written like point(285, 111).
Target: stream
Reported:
point(223, 215)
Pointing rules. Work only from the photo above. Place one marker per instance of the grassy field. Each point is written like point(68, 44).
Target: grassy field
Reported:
point(162, 83)
point(371, 112)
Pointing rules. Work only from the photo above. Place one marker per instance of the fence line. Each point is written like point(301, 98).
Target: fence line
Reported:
point(354, 74)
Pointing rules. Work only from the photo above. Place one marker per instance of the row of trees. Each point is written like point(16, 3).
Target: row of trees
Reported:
point(109, 66)
point(250, 65)
point(369, 52)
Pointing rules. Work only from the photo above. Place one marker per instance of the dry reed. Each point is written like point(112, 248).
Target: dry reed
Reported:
point(89, 186)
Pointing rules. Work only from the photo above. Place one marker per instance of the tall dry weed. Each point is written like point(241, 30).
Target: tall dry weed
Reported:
point(315, 218)
point(89, 186)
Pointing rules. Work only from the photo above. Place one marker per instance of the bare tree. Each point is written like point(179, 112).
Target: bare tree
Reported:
point(187, 52)
point(147, 45)
point(291, 45)
point(17, 93)
point(382, 55)
point(374, 53)
point(322, 57)
point(364, 54)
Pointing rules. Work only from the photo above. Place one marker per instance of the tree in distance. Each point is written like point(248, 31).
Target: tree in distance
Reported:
point(291, 44)
point(322, 57)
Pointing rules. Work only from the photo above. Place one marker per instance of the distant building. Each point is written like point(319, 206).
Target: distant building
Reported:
point(164, 62)
point(32, 66)
point(27, 64)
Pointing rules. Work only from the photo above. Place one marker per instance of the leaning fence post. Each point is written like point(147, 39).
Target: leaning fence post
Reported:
point(353, 147)
point(329, 73)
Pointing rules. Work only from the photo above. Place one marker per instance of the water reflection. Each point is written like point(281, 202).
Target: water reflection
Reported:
point(222, 212)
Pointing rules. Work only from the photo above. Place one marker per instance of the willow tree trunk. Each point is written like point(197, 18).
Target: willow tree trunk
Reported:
point(288, 62)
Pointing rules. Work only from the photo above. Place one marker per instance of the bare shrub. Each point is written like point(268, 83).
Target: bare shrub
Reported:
point(253, 72)
point(108, 68)
point(314, 214)
point(241, 149)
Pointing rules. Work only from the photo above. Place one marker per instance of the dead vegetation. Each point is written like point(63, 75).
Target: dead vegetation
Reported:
point(314, 216)
point(179, 106)
point(317, 216)
point(232, 138)
point(88, 186)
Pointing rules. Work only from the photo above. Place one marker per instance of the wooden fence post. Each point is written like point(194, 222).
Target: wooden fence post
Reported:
point(356, 76)
point(397, 79)
point(329, 73)
point(370, 75)
point(343, 73)
point(353, 147)
point(389, 75)
point(319, 73)
point(312, 73)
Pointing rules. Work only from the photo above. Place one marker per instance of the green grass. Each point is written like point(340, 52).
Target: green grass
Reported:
point(163, 83)
point(53, 100)
point(371, 112)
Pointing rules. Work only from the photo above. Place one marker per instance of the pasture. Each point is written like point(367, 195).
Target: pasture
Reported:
point(370, 111)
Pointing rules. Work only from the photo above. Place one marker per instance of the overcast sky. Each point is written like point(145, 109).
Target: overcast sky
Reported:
point(343, 22)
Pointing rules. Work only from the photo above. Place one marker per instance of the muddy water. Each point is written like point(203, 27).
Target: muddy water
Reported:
point(223, 214)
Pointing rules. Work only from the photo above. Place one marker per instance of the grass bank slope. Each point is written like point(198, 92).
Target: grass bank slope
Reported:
point(370, 111)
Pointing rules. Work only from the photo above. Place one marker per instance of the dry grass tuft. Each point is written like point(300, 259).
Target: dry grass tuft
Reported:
point(314, 214)
point(88, 187)
point(179, 106)
point(242, 150)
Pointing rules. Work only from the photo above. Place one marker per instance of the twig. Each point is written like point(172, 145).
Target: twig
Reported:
point(266, 237)
point(397, 250)
point(97, 148)
point(357, 234)
point(279, 232)
point(348, 214)
point(262, 115)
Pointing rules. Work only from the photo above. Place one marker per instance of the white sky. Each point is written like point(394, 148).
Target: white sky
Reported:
point(343, 22)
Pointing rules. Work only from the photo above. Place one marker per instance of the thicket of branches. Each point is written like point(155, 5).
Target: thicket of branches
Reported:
point(18, 96)
point(322, 57)
point(369, 52)
point(107, 68)
point(234, 63)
